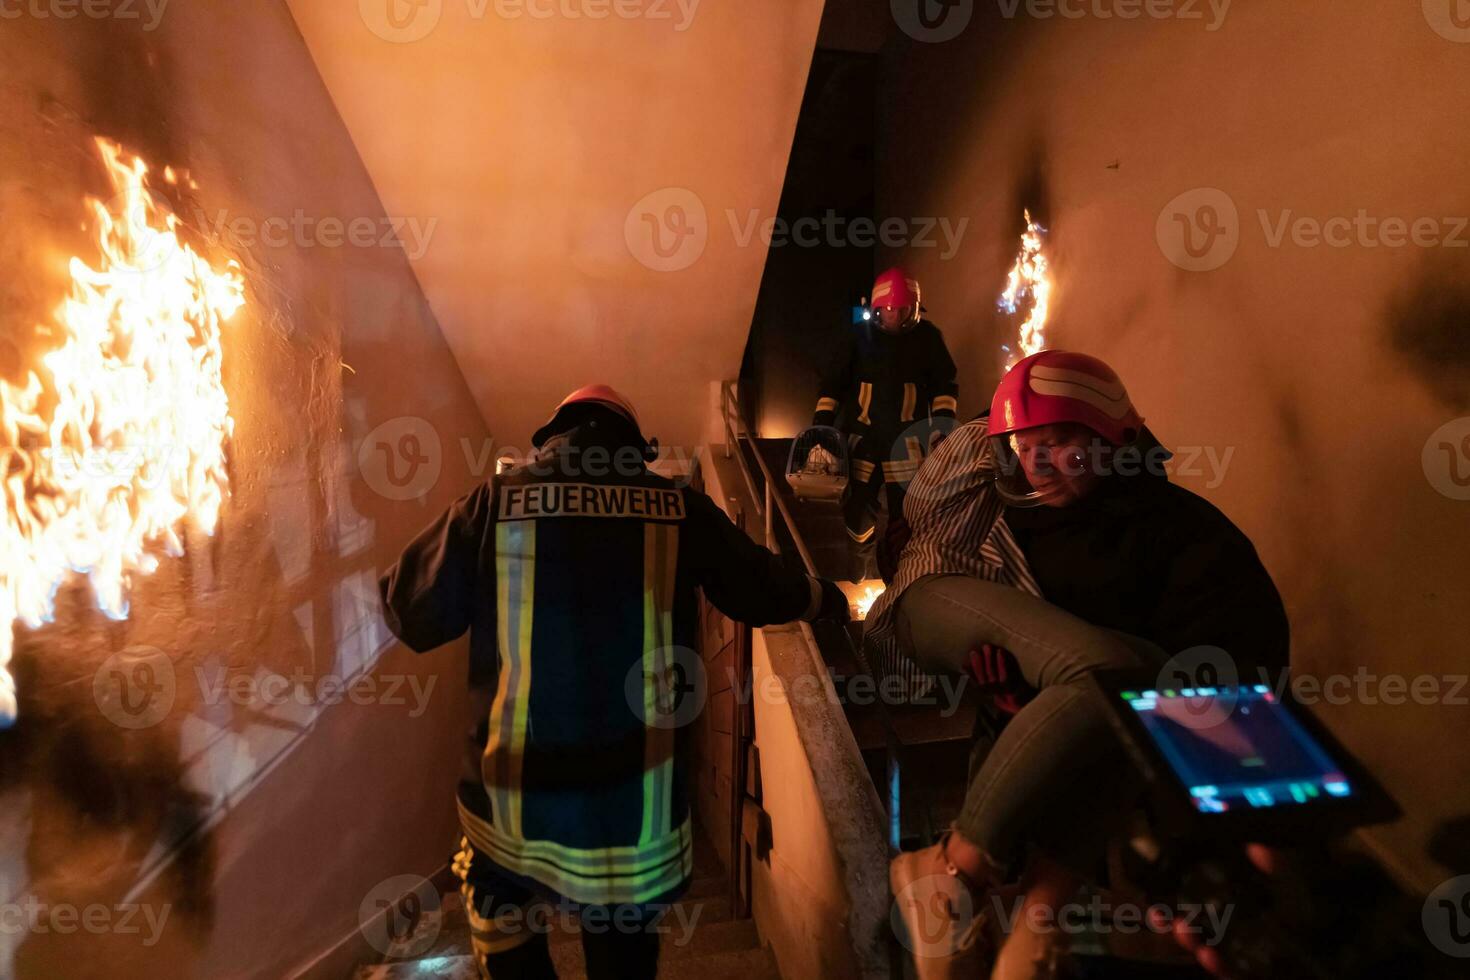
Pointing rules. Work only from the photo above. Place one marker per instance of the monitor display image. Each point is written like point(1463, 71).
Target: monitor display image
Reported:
point(1253, 754)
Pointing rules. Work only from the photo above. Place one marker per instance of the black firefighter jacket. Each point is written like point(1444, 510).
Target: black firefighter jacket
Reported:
point(885, 389)
point(577, 584)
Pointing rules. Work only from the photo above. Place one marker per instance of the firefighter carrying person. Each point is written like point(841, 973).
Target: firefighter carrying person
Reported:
point(576, 576)
point(889, 382)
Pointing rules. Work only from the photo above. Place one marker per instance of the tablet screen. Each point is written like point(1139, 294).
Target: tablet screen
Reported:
point(1252, 754)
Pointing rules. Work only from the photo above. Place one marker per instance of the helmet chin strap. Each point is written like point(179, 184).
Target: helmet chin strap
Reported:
point(1032, 498)
point(1025, 501)
point(903, 327)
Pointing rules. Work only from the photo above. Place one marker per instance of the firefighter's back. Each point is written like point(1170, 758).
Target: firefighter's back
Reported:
point(585, 792)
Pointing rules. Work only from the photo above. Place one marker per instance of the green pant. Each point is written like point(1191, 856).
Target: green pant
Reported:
point(1057, 776)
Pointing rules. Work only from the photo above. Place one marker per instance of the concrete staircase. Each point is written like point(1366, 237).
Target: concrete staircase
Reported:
point(701, 939)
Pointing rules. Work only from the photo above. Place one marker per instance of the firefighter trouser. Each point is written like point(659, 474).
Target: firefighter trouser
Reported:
point(1056, 775)
point(871, 480)
point(511, 926)
point(860, 509)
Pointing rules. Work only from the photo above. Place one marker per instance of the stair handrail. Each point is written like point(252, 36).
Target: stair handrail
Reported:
point(768, 503)
point(738, 429)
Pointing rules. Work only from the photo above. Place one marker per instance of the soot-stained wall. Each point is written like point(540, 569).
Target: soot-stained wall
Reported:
point(191, 764)
point(1253, 216)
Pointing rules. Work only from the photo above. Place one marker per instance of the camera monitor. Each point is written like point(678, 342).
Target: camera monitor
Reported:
point(1240, 761)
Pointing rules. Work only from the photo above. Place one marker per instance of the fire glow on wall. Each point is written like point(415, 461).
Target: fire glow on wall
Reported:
point(116, 440)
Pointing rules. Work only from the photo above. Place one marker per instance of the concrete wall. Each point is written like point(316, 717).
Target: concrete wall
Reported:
point(591, 171)
point(1326, 369)
point(256, 828)
point(803, 892)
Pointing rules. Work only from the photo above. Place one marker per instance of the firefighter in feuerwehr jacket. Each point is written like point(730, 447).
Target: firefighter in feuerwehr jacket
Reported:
point(575, 574)
point(891, 389)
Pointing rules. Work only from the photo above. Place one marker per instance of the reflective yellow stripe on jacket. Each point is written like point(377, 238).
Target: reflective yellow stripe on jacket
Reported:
point(662, 857)
point(515, 576)
point(660, 560)
point(865, 401)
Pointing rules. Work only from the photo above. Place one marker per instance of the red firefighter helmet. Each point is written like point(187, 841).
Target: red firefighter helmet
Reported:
point(896, 289)
point(1052, 387)
point(1060, 386)
point(592, 394)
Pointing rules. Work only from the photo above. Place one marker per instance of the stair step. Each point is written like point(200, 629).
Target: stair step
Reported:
point(723, 951)
point(708, 939)
point(710, 887)
point(717, 951)
point(713, 909)
point(441, 967)
point(714, 939)
point(453, 930)
point(745, 964)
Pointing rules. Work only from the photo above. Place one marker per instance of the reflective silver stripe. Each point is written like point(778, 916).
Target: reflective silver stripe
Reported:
point(865, 399)
point(1108, 397)
point(862, 470)
point(826, 404)
point(910, 401)
point(946, 403)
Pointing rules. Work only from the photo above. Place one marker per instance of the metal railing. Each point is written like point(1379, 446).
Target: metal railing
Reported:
point(737, 429)
point(769, 503)
point(870, 915)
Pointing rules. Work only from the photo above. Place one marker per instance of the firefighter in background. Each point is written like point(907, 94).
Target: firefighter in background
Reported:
point(891, 389)
point(575, 575)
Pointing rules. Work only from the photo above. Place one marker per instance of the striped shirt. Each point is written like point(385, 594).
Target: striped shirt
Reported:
point(954, 515)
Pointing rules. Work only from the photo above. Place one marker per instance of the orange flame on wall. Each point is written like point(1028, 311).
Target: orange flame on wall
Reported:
point(117, 439)
point(1030, 280)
